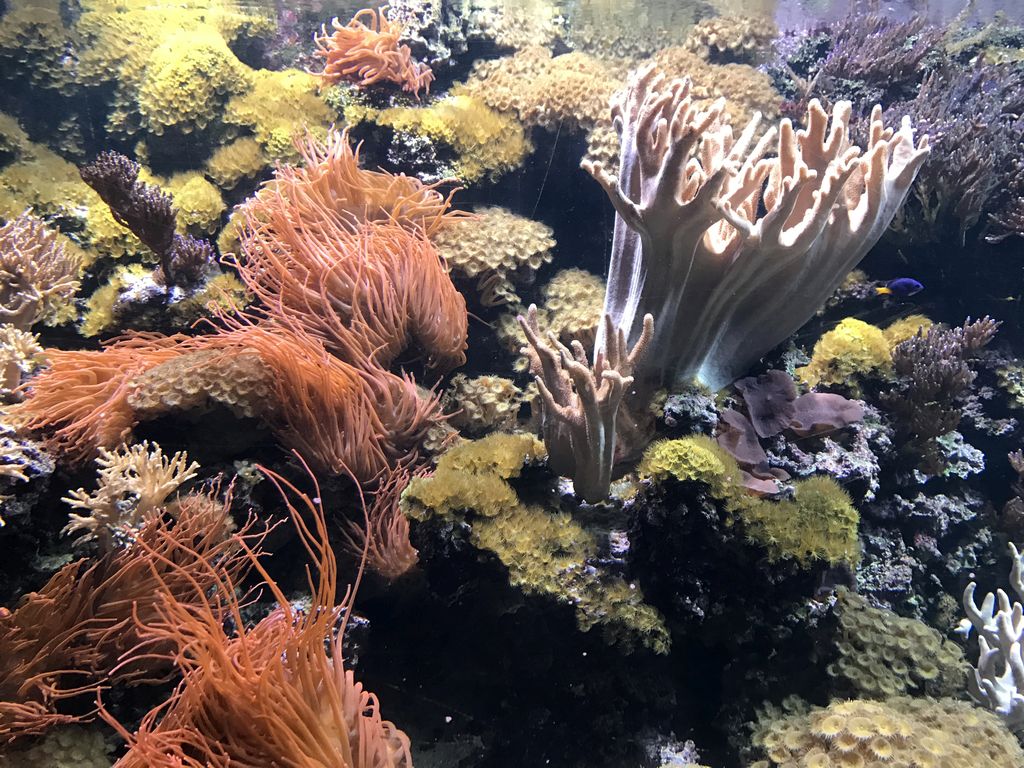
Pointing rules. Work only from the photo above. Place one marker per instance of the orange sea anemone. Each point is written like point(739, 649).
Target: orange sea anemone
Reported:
point(366, 294)
point(276, 693)
point(341, 418)
point(330, 188)
point(80, 401)
point(70, 638)
point(383, 534)
point(367, 51)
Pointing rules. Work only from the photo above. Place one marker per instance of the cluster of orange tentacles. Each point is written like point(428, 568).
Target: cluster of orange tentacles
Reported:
point(367, 51)
point(81, 631)
point(340, 259)
point(276, 693)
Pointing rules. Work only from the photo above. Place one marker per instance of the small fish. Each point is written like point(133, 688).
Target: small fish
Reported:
point(901, 286)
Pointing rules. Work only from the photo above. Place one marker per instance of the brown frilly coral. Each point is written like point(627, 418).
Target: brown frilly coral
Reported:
point(367, 51)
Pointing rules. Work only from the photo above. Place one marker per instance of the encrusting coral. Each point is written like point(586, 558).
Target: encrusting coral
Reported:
point(882, 654)
point(689, 201)
point(735, 38)
point(68, 746)
point(916, 733)
point(546, 552)
point(498, 248)
point(366, 51)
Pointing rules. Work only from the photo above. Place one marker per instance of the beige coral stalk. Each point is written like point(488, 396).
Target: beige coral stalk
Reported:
point(38, 275)
point(731, 249)
point(134, 483)
point(581, 402)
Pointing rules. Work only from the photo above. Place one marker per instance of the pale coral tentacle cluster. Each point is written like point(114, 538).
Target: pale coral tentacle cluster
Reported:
point(581, 402)
point(733, 249)
point(998, 681)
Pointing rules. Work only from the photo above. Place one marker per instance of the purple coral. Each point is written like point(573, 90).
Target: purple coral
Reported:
point(149, 214)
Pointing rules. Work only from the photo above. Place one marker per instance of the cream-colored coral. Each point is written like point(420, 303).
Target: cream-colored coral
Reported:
point(518, 25)
point(38, 275)
point(195, 381)
point(632, 29)
point(570, 91)
point(482, 404)
point(240, 159)
point(66, 746)
point(134, 483)
point(20, 353)
point(739, 37)
point(905, 732)
point(498, 248)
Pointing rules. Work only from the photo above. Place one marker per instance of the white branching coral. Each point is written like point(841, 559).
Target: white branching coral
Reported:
point(134, 483)
point(38, 275)
point(730, 249)
point(998, 681)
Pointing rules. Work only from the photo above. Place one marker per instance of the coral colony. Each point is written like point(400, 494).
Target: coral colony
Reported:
point(331, 435)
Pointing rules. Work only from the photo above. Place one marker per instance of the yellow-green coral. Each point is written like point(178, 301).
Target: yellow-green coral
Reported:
point(850, 349)
point(237, 160)
point(906, 328)
point(820, 523)
point(546, 553)
point(882, 654)
point(34, 45)
point(278, 108)
point(855, 348)
point(188, 80)
point(697, 459)
point(486, 143)
point(199, 203)
point(473, 476)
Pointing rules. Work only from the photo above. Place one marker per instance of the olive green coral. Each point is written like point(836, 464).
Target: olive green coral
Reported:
point(486, 143)
point(546, 552)
point(906, 732)
point(882, 654)
point(819, 523)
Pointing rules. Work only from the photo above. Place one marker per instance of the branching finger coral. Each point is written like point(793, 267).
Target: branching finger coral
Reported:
point(367, 51)
point(134, 484)
point(581, 402)
point(725, 281)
